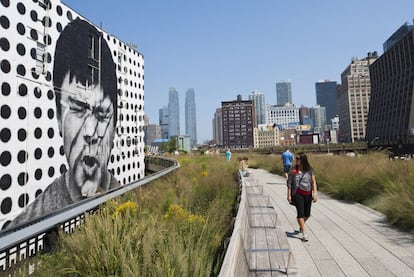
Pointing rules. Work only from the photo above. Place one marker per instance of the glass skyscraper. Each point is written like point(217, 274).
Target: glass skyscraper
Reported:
point(190, 116)
point(260, 106)
point(284, 92)
point(326, 93)
point(318, 115)
point(163, 120)
point(218, 127)
point(173, 113)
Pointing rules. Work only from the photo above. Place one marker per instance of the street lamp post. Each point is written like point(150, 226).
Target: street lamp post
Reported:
point(327, 142)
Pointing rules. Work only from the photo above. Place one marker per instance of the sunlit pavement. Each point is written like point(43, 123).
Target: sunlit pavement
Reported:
point(345, 239)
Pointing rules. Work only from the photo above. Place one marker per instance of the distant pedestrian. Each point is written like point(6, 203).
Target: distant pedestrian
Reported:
point(287, 159)
point(306, 191)
point(244, 167)
point(228, 155)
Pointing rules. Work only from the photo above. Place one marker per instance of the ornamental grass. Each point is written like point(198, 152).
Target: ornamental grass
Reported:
point(173, 226)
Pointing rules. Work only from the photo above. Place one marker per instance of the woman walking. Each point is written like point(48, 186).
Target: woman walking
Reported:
point(302, 190)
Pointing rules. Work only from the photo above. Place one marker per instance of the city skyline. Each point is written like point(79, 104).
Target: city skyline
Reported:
point(222, 49)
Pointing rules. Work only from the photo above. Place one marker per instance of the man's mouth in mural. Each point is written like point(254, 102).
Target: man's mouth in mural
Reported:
point(89, 165)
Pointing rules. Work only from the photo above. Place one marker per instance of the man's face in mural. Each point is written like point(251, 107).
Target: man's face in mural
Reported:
point(87, 126)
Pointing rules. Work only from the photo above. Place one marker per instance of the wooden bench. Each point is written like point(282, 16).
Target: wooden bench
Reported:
point(267, 252)
point(266, 248)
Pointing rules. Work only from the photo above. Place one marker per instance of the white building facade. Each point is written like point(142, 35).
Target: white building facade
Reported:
point(32, 149)
point(285, 117)
point(265, 136)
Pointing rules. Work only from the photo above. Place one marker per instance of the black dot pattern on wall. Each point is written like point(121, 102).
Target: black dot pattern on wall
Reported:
point(33, 34)
point(21, 111)
point(5, 66)
point(5, 181)
point(22, 156)
point(23, 200)
point(6, 205)
point(5, 134)
point(5, 158)
point(21, 134)
point(38, 174)
point(21, 49)
point(21, 70)
point(21, 29)
point(37, 92)
point(23, 178)
point(21, 8)
point(4, 22)
point(51, 152)
point(5, 3)
point(51, 171)
point(38, 133)
point(5, 111)
point(5, 89)
point(59, 10)
point(30, 141)
point(38, 153)
point(22, 90)
point(50, 113)
point(4, 44)
point(33, 15)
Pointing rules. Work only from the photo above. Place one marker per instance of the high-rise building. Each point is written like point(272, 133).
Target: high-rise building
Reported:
point(353, 99)
point(190, 117)
point(218, 127)
point(318, 115)
point(305, 116)
point(284, 92)
point(326, 93)
point(238, 123)
point(285, 117)
point(152, 132)
point(146, 119)
point(173, 113)
point(398, 35)
point(391, 112)
point(163, 120)
point(259, 105)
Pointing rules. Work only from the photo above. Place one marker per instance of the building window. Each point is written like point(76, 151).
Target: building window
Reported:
point(91, 46)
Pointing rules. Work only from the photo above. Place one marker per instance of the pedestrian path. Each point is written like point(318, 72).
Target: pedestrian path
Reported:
point(345, 239)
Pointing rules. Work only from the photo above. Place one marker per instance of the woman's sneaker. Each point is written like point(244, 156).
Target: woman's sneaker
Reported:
point(305, 237)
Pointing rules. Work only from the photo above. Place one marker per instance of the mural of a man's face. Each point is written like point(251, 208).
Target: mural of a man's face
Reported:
point(87, 127)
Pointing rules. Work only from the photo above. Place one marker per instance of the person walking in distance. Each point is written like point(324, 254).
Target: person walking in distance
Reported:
point(228, 155)
point(304, 182)
point(287, 159)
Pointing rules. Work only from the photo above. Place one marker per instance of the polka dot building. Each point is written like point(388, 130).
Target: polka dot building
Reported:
point(31, 146)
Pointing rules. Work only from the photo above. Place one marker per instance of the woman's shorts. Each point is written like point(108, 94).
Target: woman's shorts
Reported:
point(303, 205)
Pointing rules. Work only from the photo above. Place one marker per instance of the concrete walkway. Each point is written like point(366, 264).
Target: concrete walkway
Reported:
point(345, 239)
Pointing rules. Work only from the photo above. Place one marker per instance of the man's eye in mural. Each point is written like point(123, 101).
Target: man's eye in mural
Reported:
point(78, 106)
point(102, 114)
point(83, 108)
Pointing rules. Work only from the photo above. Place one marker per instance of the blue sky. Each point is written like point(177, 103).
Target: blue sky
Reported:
point(223, 48)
